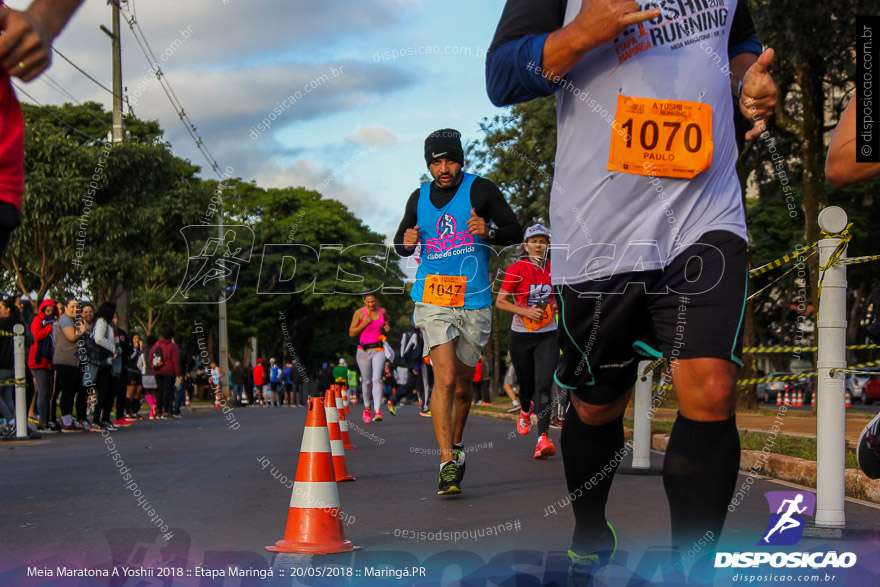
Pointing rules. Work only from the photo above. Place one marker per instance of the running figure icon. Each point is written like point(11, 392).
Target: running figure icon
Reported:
point(787, 522)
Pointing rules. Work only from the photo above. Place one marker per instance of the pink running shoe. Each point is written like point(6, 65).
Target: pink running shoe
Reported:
point(524, 423)
point(545, 447)
point(368, 417)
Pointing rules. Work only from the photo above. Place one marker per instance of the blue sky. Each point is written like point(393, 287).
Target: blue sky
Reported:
point(359, 134)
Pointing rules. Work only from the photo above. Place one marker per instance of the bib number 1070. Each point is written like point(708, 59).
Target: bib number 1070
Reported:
point(649, 135)
point(663, 138)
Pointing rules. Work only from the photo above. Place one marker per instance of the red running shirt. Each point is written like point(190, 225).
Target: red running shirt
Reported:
point(529, 285)
point(11, 145)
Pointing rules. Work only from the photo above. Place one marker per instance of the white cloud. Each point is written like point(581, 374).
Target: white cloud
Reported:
point(377, 136)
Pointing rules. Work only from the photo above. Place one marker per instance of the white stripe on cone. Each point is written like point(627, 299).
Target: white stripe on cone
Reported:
point(314, 495)
point(315, 439)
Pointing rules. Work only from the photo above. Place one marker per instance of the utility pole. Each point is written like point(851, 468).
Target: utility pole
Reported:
point(117, 133)
point(117, 74)
point(223, 361)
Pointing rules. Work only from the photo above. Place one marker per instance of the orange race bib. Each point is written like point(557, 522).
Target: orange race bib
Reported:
point(664, 138)
point(545, 320)
point(445, 290)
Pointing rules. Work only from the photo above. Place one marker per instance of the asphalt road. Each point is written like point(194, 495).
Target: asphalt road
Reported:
point(64, 504)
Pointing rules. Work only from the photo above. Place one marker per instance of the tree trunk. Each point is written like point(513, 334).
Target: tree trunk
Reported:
point(810, 75)
point(747, 398)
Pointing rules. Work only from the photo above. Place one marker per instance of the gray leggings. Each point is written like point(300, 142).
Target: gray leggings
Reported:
point(45, 380)
point(371, 365)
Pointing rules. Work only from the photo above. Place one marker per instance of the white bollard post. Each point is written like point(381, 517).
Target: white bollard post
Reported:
point(642, 420)
point(20, 389)
point(830, 441)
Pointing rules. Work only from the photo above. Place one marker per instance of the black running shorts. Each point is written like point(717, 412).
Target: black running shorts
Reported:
point(691, 309)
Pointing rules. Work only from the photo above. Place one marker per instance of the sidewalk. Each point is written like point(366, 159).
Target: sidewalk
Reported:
point(796, 423)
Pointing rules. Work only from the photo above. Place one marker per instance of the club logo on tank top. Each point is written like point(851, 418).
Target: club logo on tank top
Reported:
point(446, 225)
point(449, 242)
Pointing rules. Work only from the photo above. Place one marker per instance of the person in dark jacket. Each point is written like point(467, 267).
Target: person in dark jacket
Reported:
point(249, 383)
point(164, 358)
point(186, 364)
point(238, 377)
point(9, 317)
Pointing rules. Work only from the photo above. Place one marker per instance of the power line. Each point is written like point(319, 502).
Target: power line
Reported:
point(57, 86)
point(79, 69)
point(66, 124)
point(141, 39)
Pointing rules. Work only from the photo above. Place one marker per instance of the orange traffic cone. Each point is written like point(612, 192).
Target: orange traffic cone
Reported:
point(848, 400)
point(336, 445)
point(813, 401)
point(187, 400)
point(216, 400)
point(799, 400)
point(352, 396)
point(779, 398)
point(343, 421)
point(345, 399)
point(314, 524)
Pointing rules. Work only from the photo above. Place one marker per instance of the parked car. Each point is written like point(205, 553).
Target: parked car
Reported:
point(768, 390)
point(872, 390)
point(858, 381)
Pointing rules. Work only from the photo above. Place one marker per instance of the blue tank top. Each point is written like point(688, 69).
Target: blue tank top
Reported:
point(451, 257)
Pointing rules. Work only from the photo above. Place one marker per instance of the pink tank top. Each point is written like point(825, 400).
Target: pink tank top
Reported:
point(371, 333)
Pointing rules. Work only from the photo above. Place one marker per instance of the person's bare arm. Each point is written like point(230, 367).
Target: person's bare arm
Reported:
point(841, 167)
point(358, 323)
point(598, 22)
point(26, 42)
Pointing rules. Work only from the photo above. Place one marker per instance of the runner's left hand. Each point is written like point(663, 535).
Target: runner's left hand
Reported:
point(758, 99)
point(477, 226)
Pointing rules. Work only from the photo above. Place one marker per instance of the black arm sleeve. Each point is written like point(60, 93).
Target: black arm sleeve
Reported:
point(489, 204)
point(742, 28)
point(410, 217)
point(528, 17)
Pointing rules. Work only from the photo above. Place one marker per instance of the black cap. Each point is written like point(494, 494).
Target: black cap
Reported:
point(444, 144)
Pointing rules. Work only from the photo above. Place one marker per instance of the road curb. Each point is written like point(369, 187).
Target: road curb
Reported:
point(793, 469)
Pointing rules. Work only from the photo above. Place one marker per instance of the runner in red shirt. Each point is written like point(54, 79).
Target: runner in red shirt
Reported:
point(533, 349)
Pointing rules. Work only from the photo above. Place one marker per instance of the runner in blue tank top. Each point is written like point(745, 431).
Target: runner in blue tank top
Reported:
point(454, 220)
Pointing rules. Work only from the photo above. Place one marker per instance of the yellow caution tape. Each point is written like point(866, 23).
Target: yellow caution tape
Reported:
point(4, 333)
point(13, 382)
point(763, 289)
point(652, 366)
point(784, 260)
point(856, 260)
point(756, 350)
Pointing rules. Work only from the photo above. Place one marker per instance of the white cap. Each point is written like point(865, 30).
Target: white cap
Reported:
point(537, 230)
point(271, 360)
point(342, 362)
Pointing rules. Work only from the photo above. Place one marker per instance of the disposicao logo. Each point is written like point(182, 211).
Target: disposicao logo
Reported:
point(786, 527)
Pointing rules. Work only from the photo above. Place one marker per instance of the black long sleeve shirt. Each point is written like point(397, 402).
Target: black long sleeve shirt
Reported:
point(486, 200)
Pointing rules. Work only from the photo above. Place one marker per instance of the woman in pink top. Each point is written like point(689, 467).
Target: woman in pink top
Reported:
point(369, 322)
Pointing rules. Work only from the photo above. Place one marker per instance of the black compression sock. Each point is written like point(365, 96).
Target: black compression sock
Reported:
point(587, 452)
point(699, 475)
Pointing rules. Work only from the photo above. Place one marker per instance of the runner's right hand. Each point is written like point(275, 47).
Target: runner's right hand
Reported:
point(535, 314)
point(411, 238)
point(603, 20)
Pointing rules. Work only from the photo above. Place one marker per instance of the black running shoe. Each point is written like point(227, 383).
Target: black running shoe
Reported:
point(458, 455)
point(449, 484)
point(868, 451)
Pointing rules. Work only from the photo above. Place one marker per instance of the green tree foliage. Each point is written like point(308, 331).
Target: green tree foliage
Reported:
point(312, 260)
